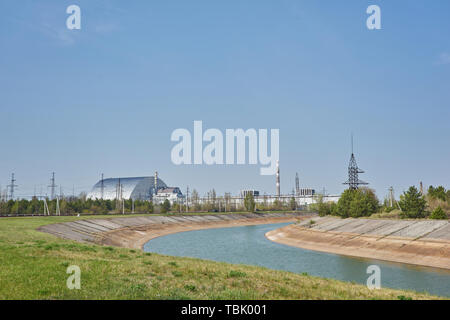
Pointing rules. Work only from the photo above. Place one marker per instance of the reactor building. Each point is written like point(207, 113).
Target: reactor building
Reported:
point(137, 188)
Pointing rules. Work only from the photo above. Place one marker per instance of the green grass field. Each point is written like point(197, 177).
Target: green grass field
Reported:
point(33, 266)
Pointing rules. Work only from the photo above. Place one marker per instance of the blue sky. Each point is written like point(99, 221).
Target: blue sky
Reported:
point(106, 98)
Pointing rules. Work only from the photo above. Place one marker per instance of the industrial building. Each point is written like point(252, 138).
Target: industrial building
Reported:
point(254, 193)
point(236, 202)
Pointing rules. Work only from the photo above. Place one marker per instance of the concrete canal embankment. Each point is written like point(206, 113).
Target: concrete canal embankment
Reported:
point(418, 242)
point(134, 232)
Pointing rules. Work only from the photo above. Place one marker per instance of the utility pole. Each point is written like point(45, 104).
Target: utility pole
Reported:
point(12, 186)
point(119, 205)
point(52, 186)
point(187, 199)
point(391, 197)
point(58, 211)
point(46, 211)
point(123, 202)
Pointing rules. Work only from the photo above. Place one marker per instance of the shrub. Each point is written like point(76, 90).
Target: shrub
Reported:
point(438, 214)
point(177, 274)
point(190, 287)
point(236, 274)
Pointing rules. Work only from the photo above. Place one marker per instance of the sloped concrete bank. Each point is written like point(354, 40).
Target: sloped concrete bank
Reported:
point(134, 232)
point(424, 243)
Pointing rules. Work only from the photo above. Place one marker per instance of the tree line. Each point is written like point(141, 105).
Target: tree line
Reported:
point(74, 205)
point(363, 202)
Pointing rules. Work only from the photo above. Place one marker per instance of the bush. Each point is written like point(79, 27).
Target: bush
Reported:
point(236, 274)
point(412, 204)
point(438, 214)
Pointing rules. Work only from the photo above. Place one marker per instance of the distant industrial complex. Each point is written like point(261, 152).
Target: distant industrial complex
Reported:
point(152, 188)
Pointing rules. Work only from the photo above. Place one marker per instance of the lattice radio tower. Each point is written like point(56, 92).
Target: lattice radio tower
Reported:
point(353, 173)
point(12, 186)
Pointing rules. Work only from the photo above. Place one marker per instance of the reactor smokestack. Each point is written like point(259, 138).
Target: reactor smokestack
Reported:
point(278, 178)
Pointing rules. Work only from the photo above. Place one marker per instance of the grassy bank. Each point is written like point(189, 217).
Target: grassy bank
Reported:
point(33, 266)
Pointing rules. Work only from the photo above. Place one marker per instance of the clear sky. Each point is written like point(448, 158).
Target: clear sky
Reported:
point(106, 98)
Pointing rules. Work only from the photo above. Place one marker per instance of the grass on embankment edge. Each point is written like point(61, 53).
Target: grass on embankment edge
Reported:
point(33, 266)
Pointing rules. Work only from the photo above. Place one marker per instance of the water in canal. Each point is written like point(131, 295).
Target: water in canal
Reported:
point(248, 245)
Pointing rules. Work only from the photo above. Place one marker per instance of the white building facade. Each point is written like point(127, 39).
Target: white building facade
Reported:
point(174, 195)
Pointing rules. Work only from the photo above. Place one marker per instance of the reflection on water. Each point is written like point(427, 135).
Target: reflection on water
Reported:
point(248, 245)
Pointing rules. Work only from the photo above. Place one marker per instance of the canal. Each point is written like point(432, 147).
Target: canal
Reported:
point(248, 245)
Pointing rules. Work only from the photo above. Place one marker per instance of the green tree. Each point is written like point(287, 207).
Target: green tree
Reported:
point(356, 203)
point(437, 193)
point(249, 202)
point(293, 204)
point(412, 204)
point(322, 208)
point(439, 214)
point(15, 208)
point(276, 205)
point(149, 207)
point(343, 207)
point(165, 207)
